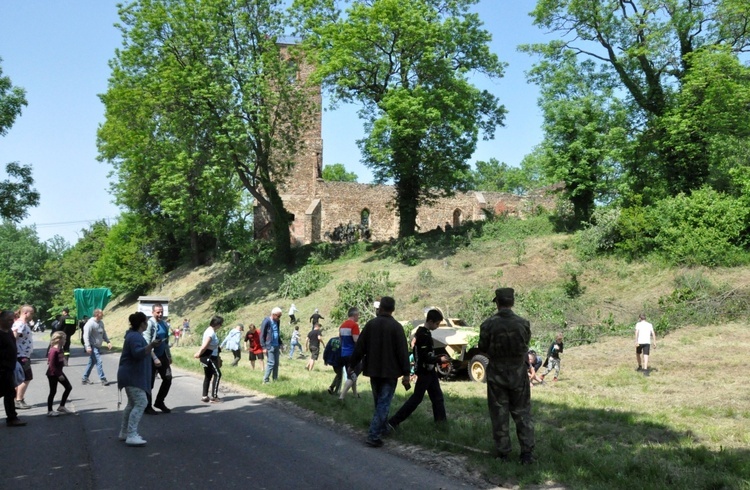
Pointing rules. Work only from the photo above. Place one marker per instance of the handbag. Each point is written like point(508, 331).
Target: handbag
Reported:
point(18, 375)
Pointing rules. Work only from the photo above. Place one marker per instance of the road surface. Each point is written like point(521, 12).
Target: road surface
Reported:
point(248, 442)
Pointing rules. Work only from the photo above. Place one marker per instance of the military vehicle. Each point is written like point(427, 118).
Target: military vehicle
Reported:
point(457, 341)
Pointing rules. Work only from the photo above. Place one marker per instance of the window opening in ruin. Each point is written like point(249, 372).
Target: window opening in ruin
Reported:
point(364, 218)
point(318, 165)
point(457, 218)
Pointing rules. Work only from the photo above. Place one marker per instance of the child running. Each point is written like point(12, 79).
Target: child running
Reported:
point(553, 357)
point(55, 376)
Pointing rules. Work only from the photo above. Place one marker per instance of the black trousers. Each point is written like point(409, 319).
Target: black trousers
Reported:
point(165, 373)
point(426, 383)
point(53, 382)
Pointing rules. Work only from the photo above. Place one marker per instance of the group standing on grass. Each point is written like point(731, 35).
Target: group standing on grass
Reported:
point(379, 351)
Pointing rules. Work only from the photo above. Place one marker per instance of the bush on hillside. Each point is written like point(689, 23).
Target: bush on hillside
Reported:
point(305, 281)
point(361, 293)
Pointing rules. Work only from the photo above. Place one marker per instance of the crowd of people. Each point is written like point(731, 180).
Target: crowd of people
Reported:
point(379, 350)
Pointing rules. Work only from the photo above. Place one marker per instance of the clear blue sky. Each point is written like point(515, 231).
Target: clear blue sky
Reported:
point(58, 52)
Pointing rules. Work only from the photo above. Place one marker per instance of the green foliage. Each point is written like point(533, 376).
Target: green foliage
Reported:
point(74, 268)
point(705, 228)
point(308, 279)
point(572, 285)
point(252, 257)
point(695, 300)
point(337, 173)
point(494, 176)
point(127, 262)
point(507, 228)
point(16, 193)
point(229, 304)
point(409, 250)
point(475, 307)
point(600, 234)
point(361, 293)
point(21, 269)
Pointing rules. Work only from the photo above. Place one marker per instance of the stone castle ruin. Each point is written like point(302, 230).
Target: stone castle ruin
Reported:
point(329, 211)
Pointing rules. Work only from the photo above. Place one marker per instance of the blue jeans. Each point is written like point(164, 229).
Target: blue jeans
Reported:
point(382, 394)
point(272, 363)
point(94, 358)
point(295, 344)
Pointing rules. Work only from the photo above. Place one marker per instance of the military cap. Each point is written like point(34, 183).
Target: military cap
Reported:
point(504, 296)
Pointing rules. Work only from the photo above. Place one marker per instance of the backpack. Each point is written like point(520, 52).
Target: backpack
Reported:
point(332, 352)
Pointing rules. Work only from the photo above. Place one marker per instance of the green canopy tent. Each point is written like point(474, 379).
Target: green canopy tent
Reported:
point(88, 300)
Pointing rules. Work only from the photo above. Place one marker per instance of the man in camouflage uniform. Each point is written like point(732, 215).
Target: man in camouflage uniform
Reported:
point(505, 338)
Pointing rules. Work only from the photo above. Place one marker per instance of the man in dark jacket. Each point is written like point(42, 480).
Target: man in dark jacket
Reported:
point(427, 378)
point(382, 348)
point(68, 325)
point(505, 338)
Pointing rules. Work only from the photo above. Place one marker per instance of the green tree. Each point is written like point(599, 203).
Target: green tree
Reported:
point(21, 263)
point(407, 63)
point(224, 96)
point(646, 45)
point(337, 173)
point(16, 192)
point(127, 262)
point(74, 267)
point(585, 130)
point(495, 176)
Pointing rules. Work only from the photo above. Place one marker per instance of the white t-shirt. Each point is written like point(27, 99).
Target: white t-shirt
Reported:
point(644, 329)
point(24, 341)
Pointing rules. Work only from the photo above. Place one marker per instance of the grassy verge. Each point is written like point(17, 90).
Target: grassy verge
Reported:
point(601, 426)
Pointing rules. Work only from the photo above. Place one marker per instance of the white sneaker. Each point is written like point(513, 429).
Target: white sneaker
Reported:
point(52, 414)
point(64, 410)
point(135, 440)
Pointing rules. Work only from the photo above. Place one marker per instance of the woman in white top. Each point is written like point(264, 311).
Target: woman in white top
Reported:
point(209, 356)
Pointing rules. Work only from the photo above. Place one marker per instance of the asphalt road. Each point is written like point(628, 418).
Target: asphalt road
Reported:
point(248, 442)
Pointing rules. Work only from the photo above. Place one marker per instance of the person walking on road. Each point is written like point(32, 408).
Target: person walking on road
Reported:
point(68, 325)
point(644, 333)
point(427, 378)
point(270, 339)
point(25, 346)
point(55, 376)
point(382, 348)
point(209, 357)
point(134, 375)
point(505, 338)
point(232, 342)
point(94, 337)
point(8, 360)
point(161, 356)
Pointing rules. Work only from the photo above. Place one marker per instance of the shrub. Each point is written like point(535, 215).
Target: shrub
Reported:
point(361, 293)
point(307, 280)
point(600, 235)
point(408, 250)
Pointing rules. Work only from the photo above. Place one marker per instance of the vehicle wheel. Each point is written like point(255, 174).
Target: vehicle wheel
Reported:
point(444, 369)
point(478, 368)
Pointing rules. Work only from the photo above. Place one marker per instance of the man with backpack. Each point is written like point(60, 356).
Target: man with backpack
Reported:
point(161, 356)
point(332, 357)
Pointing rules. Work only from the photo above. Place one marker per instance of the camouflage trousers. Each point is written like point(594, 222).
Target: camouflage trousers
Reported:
point(552, 365)
point(509, 395)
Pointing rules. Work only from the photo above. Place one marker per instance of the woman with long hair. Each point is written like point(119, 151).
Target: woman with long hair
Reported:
point(55, 376)
point(209, 356)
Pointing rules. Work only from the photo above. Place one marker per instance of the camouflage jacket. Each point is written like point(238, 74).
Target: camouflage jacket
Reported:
point(505, 337)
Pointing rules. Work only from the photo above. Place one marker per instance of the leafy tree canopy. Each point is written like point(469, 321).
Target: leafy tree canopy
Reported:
point(407, 63)
point(16, 192)
point(337, 173)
